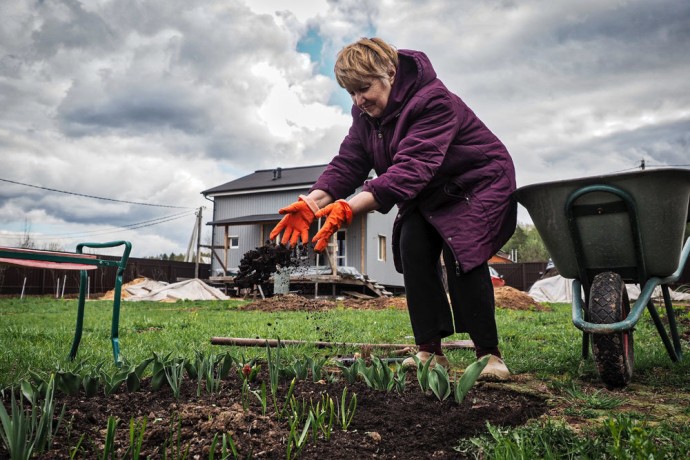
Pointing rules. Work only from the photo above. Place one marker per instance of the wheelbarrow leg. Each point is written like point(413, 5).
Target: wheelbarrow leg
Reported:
point(678, 353)
point(585, 345)
point(586, 335)
point(662, 331)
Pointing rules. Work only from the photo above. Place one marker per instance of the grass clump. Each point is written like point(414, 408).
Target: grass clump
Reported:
point(617, 437)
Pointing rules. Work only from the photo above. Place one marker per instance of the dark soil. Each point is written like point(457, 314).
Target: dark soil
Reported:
point(410, 425)
point(506, 297)
point(386, 425)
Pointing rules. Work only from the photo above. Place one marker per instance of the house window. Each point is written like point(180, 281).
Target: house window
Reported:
point(266, 232)
point(234, 242)
point(341, 254)
point(382, 248)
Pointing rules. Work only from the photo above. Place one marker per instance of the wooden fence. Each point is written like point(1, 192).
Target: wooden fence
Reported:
point(38, 281)
point(523, 275)
point(520, 276)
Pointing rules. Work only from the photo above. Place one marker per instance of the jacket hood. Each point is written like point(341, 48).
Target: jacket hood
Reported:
point(414, 72)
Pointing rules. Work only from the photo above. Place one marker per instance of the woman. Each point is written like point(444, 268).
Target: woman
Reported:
point(451, 178)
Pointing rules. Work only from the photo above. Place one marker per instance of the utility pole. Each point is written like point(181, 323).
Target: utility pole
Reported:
point(642, 165)
point(198, 242)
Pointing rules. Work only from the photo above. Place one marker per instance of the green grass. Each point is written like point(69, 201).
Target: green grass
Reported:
point(37, 333)
point(618, 437)
point(541, 348)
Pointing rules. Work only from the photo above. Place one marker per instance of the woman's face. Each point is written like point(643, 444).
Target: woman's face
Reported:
point(372, 96)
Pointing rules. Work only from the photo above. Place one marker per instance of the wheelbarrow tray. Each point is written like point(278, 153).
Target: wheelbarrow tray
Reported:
point(662, 200)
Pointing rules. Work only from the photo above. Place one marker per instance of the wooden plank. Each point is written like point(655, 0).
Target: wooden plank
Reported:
point(48, 259)
point(358, 295)
point(258, 342)
point(40, 253)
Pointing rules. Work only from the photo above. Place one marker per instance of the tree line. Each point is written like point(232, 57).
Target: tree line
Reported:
point(530, 247)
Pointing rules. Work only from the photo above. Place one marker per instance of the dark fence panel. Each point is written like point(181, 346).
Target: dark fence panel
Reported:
point(521, 276)
point(38, 281)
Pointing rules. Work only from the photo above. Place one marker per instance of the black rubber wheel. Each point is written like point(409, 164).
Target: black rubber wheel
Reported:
point(613, 353)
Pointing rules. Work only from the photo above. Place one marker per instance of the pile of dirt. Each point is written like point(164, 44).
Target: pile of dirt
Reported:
point(512, 299)
point(110, 295)
point(506, 297)
point(292, 302)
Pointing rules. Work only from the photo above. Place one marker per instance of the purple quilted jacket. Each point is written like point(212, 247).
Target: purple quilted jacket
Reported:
point(431, 152)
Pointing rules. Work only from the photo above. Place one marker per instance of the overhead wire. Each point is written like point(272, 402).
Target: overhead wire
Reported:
point(643, 165)
point(624, 170)
point(94, 196)
point(118, 229)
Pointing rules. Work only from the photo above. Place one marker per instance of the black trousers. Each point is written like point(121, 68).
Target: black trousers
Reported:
point(471, 294)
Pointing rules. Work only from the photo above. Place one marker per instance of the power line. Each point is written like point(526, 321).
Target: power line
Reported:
point(624, 170)
point(124, 228)
point(95, 197)
point(141, 224)
point(643, 164)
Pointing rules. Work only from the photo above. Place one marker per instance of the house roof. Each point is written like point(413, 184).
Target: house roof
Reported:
point(247, 220)
point(270, 179)
point(500, 258)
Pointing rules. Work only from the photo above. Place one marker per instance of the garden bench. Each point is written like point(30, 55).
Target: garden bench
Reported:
point(83, 262)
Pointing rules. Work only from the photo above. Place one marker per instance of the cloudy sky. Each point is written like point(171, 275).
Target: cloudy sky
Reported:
point(148, 103)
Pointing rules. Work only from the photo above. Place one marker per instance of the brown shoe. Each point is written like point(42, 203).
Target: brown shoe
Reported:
point(424, 357)
point(495, 369)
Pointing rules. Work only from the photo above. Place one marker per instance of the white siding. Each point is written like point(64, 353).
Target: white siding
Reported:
point(382, 271)
point(228, 207)
point(372, 225)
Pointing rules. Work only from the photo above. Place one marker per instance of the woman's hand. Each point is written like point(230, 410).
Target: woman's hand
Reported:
point(337, 214)
point(298, 217)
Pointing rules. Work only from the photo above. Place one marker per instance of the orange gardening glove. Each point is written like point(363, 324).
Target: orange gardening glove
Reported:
point(298, 217)
point(337, 214)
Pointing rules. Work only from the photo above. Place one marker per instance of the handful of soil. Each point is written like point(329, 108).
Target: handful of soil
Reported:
point(258, 264)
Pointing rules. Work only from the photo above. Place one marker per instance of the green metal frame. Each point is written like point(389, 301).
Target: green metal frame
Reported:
point(574, 211)
point(114, 327)
point(83, 280)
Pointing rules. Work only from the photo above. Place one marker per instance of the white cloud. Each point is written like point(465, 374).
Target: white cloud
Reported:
point(156, 101)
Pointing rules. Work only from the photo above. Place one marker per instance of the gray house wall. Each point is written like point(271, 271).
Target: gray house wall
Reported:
point(362, 235)
point(240, 205)
point(382, 271)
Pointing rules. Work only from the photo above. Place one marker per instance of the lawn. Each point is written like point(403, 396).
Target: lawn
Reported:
point(543, 350)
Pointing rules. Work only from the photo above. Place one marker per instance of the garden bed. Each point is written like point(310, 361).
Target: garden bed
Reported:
point(403, 425)
point(386, 424)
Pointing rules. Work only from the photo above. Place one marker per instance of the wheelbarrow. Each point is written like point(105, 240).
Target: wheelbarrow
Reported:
point(604, 232)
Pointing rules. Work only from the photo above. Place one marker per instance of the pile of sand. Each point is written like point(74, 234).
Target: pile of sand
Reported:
point(110, 295)
point(513, 299)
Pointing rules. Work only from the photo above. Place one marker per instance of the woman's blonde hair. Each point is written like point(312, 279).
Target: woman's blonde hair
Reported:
point(365, 59)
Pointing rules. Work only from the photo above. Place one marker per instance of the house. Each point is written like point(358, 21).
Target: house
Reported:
point(245, 211)
point(500, 258)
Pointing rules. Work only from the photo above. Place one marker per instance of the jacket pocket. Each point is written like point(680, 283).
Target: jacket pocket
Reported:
point(456, 191)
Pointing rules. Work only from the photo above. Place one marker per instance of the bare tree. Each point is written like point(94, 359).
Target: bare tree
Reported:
point(53, 246)
point(26, 241)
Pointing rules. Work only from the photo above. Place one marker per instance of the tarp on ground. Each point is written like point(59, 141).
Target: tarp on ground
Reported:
point(193, 289)
point(559, 289)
